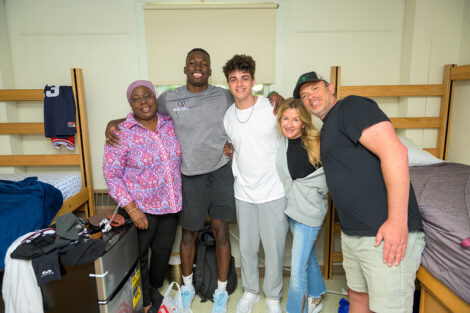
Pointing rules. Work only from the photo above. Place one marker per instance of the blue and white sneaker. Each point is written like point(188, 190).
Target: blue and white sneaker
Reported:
point(220, 301)
point(187, 296)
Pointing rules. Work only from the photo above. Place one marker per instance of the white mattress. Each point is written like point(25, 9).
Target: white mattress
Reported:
point(68, 184)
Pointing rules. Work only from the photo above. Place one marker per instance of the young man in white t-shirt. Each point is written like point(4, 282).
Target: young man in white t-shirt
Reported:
point(259, 194)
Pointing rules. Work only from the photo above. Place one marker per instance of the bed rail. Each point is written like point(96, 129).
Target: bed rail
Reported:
point(438, 90)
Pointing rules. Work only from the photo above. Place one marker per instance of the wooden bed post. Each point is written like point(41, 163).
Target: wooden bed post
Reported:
point(335, 79)
point(327, 243)
point(445, 114)
point(455, 73)
point(330, 218)
point(83, 139)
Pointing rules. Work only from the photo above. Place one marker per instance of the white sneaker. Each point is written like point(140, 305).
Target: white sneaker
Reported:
point(314, 308)
point(274, 306)
point(247, 302)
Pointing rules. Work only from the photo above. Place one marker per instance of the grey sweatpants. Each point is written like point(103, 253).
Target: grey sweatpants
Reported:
point(268, 223)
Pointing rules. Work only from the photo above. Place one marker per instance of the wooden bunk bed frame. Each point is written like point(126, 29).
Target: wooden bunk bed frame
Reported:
point(83, 200)
point(435, 296)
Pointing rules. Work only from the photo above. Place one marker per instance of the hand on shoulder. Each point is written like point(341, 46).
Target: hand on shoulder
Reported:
point(111, 132)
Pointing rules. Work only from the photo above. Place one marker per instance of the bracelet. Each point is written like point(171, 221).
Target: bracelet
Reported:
point(132, 210)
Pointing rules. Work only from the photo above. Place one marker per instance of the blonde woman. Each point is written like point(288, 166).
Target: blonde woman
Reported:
point(299, 167)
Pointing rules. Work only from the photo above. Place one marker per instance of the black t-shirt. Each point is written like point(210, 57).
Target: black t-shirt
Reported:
point(297, 160)
point(353, 173)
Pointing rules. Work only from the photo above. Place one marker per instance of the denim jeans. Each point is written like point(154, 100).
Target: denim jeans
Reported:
point(305, 278)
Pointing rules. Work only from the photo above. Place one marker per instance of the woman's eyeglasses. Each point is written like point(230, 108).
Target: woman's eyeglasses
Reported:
point(146, 98)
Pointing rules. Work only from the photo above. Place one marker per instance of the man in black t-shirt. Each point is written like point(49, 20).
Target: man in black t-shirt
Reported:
point(367, 174)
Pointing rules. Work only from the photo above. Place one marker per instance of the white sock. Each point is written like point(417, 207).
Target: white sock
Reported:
point(188, 280)
point(222, 285)
point(313, 300)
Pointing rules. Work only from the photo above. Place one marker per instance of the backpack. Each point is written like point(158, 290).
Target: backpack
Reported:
point(205, 272)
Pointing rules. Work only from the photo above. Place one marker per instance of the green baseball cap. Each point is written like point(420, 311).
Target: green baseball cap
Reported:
point(305, 78)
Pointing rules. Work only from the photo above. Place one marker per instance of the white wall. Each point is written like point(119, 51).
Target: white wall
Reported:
point(315, 35)
point(364, 37)
point(465, 43)
point(49, 37)
point(431, 40)
point(8, 110)
point(459, 149)
point(370, 39)
point(6, 71)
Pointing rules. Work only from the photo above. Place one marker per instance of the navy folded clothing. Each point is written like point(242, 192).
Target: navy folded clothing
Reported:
point(59, 111)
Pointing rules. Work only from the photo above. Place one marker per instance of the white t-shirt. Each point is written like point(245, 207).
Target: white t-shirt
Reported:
point(254, 136)
point(19, 280)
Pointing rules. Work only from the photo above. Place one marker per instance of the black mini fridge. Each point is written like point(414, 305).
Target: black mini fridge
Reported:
point(111, 284)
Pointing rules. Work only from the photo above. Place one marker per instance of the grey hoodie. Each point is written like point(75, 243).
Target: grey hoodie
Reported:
point(307, 199)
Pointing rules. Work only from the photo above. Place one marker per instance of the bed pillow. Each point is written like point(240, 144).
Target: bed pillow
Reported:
point(416, 155)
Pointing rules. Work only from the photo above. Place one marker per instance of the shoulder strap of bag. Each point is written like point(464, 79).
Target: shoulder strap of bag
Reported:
point(199, 270)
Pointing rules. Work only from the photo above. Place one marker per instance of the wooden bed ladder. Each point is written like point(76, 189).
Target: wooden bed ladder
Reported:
point(441, 123)
point(86, 196)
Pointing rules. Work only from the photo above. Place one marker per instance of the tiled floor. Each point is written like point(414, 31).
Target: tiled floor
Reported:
point(330, 299)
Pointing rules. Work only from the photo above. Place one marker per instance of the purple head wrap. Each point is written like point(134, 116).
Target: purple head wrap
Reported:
point(139, 83)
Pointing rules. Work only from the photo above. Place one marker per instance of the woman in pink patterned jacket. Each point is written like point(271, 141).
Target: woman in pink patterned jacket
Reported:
point(143, 177)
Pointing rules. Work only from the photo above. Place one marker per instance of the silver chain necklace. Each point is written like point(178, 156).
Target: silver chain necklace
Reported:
point(252, 109)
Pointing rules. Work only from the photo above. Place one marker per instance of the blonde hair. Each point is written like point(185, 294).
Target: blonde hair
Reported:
point(310, 136)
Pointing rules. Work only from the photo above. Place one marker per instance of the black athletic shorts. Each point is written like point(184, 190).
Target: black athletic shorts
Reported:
point(208, 193)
